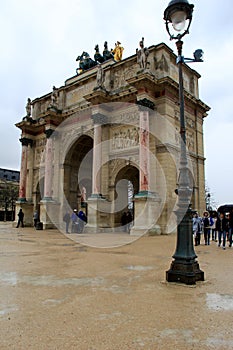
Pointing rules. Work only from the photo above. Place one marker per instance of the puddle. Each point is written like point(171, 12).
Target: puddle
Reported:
point(103, 317)
point(115, 289)
point(219, 302)
point(13, 279)
point(53, 281)
point(138, 268)
point(219, 343)
point(53, 301)
point(9, 278)
point(5, 310)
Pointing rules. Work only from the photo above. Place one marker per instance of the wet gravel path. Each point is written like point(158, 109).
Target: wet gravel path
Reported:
point(58, 294)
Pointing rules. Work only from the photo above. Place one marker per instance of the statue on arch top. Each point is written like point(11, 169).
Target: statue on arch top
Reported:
point(118, 51)
point(29, 108)
point(98, 57)
point(85, 62)
point(54, 98)
point(142, 55)
point(107, 55)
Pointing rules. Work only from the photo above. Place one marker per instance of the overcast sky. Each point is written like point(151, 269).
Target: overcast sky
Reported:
point(40, 41)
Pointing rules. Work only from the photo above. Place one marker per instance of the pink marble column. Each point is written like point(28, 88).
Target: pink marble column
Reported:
point(23, 169)
point(98, 119)
point(48, 166)
point(96, 160)
point(145, 106)
point(144, 152)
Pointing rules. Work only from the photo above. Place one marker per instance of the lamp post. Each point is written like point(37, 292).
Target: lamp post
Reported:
point(184, 268)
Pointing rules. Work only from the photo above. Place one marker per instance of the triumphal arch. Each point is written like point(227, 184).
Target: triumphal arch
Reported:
point(108, 142)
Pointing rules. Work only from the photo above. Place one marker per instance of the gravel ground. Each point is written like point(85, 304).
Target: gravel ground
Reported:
point(58, 294)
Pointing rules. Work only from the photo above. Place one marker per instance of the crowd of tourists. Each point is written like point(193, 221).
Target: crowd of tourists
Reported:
point(217, 227)
point(78, 220)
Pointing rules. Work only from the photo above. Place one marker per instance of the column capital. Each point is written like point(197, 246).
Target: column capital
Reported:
point(145, 104)
point(26, 141)
point(48, 133)
point(99, 118)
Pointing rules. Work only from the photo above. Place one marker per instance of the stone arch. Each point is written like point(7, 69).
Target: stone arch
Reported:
point(39, 194)
point(126, 185)
point(78, 170)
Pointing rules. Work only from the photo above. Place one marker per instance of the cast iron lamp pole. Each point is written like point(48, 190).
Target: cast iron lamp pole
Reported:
point(184, 268)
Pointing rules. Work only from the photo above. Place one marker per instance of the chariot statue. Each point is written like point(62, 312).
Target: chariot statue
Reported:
point(85, 62)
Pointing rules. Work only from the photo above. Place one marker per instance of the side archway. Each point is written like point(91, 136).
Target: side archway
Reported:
point(126, 187)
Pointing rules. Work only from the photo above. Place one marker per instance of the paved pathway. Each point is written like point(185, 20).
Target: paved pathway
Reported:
point(59, 295)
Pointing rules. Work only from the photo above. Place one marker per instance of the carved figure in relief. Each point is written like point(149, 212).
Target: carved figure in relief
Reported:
point(142, 55)
point(144, 137)
point(191, 85)
point(125, 139)
point(100, 77)
point(118, 51)
point(190, 141)
point(161, 64)
point(84, 194)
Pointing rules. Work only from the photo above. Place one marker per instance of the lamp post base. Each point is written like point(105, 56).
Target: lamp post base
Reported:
point(187, 272)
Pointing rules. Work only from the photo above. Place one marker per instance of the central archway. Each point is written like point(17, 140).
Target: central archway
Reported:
point(126, 187)
point(78, 172)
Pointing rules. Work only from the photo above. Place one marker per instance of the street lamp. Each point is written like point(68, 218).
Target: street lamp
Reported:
point(184, 268)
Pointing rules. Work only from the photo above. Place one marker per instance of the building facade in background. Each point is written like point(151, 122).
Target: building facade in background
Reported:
point(108, 141)
point(9, 189)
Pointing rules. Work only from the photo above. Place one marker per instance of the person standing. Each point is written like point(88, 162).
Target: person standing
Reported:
point(129, 219)
point(206, 226)
point(35, 218)
point(66, 219)
point(82, 220)
point(197, 228)
point(230, 231)
point(213, 228)
point(222, 227)
point(20, 218)
point(74, 219)
point(124, 221)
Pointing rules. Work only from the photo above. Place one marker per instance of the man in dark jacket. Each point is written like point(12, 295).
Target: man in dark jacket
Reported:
point(20, 216)
point(222, 228)
point(230, 231)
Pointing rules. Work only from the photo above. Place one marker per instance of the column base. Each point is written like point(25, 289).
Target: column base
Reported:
point(47, 199)
point(147, 211)
point(187, 272)
point(49, 213)
point(27, 208)
point(21, 200)
point(98, 214)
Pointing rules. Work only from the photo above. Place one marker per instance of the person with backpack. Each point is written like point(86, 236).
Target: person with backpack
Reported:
point(82, 220)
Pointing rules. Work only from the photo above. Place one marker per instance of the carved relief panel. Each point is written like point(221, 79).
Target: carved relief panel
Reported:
point(124, 137)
